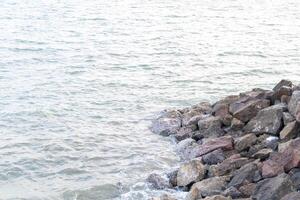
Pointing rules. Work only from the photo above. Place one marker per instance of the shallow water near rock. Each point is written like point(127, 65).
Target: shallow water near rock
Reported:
point(80, 82)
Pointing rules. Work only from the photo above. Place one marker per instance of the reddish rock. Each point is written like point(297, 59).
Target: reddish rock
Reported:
point(244, 142)
point(224, 143)
point(210, 127)
point(237, 124)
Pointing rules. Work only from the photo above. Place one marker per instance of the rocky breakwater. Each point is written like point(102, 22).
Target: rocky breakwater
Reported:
point(244, 146)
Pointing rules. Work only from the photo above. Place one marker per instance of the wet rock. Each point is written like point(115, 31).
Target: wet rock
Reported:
point(237, 124)
point(210, 186)
point(224, 143)
point(244, 142)
point(246, 108)
point(271, 142)
point(230, 164)
point(190, 172)
point(287, 118)
point(290, 131)
point(164, 197)
point(243, 175)
point(273, 188)
point(214, 157)
point(187, 149)
point(172, 176)
point(268, 120)
point(158, 182)
point(263, 154)
point(291, 196)
point(167, 124)
point(295, 177)
point(283, 83)
point(294, 102)
point(210, 127)
point(217, 197)
point(185, 132)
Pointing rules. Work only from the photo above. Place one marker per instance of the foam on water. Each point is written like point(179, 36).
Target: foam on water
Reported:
point(80, 81)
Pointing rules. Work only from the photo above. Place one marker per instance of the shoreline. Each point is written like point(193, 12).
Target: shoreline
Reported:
point(236, 148)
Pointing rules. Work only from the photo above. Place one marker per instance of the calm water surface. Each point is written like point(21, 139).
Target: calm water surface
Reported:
point(80, 81)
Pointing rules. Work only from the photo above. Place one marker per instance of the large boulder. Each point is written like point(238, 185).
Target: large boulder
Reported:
point(210, 186)
point(268, 120)
point(225, 143)
point(294, 102)
point(282, 83)
point(210, 127)
point(187, 149)
point(246, 108)
point(168, 123)
point(190, 172)
point(244, 142)
point(273, 188)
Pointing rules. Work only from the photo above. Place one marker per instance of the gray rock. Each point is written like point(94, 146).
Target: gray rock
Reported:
point(158, 182)
point(273, 188)
point(214, 157)
point(268, 120)
point(244, 142)
point(232, 192)
point(244, 174)
point(185, 132)
point(292, 196)
point(168, 123)
point(295, 176)
point(263, 154)
point(172, 176)
point(293, 104)
point(187, 149)
point(282, 83)
point(210, 127)
point(237, 124)
point(282, 91)
point(190, 172)
point(217, 197)
point(287, 118)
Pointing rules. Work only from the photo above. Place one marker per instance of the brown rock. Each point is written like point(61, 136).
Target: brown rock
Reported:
point(237, 124)
point(248, 189)
point(282, 83)
point(244, 142)
point(263, 154)
point(210, 127)
point(287, 118)
point(290, 131)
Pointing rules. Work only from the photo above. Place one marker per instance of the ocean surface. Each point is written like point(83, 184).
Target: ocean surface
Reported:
point(81, 80)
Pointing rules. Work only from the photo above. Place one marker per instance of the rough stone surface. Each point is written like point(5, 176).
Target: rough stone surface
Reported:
point(263, 154)
point(187, 148)
point(282, 83)
point(217, 197)
point(210, 186)
point(210, 127)
point(290, 131)
point(287, 118)
point(247, 189)
point(244, 174)
point(268, 120)
point(247, 108)
point(237, 124)
point(185, 132)
point(295, 176)
point(190, 172)
point(292, 196)
point(244, 142)
point(273, 188)
point(230, 164)
point(232, 192)
point(295, 99)
point(168, 123)
point(214, 157)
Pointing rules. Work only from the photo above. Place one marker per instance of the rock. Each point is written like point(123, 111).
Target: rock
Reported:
point(287, 118)
point(224, 143)
point(187, 149)
point(203, 107)
point(221, 110)
point(290, 131)
point(291, 196)
point(172, 176)
point(237, 124)
point(243, 175)
point(185, 132)
point(218, 197)
point(210, 186)
point(230, 164)
point(293, 104)
point(192, 116)
point(295, 177)
point(210, 126)
point(271, 142)
point(232, 192)
point(273, 188)
point(268, 120)
point(190, 172)
point(214, 157)
point(168, 123)
point(246, 108)
point(263, 154)
point(164, 197)
point(244, 142)
point(286, 159)
point(248, 189)
point(282, 83)
point(282, 91)
point(158, 182)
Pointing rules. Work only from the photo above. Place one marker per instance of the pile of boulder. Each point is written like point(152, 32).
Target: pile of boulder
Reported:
point(244, 147)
